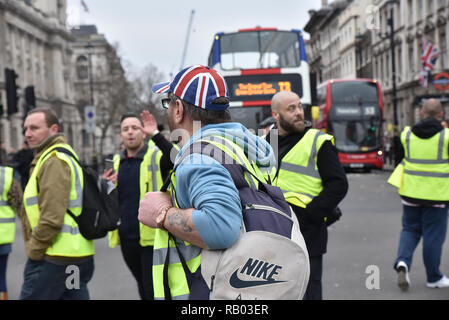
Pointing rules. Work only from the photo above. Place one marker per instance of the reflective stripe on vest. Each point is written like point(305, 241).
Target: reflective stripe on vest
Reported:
point(69, 242)
point(439, 159)
point(425, 166)
point(150, 180)
point(7, 216)
point(298, 175)
point(77, 202)
point(177, 279)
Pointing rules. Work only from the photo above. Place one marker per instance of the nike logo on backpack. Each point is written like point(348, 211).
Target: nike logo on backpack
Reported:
point(255, 268)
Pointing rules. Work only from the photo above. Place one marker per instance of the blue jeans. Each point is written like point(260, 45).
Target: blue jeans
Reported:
point(430, 223)
point(44, 280)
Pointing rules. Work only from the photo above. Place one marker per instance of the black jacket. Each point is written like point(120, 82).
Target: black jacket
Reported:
point(166, 147)
point(424, 129)
point(335, 187)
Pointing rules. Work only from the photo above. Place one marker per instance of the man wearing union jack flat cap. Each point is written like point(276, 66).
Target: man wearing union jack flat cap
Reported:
point(206, 211)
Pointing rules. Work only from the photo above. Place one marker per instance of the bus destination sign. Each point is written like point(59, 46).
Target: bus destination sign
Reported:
point(260, 88)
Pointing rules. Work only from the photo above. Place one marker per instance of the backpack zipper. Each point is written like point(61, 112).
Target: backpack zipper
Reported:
point(267, 208)
point(97, 216)
point(212, 279)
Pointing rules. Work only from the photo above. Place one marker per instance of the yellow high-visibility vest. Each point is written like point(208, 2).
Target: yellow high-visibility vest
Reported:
point(150, 179)
point(424, 172)
point(176, 276)
point(298, 175)
point(7, 216)
point(69, 242)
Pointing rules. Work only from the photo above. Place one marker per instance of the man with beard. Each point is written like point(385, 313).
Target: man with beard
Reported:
point(138, 169)
point(311, 178)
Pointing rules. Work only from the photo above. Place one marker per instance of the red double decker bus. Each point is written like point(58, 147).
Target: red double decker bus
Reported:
point(352, 111)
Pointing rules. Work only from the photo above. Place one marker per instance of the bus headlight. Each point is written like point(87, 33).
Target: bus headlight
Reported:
point(380, 153)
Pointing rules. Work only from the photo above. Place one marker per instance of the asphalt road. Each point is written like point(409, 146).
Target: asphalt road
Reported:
point(364, 244)
point(361, 250)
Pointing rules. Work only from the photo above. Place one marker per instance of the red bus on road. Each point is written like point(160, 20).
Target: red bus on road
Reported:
point(352, 111)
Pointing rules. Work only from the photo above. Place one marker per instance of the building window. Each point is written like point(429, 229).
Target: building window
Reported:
point(443, 50)
point(429, 7)
point(420, 9)
point(410, 9)
point(388, 68)
point(399, 77)
point(82, 68)
point(411, 58)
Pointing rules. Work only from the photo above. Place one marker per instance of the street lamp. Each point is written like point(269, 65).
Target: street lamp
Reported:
point(391, 4)
point(358, 41)
point(390, 21)
point(90, 48)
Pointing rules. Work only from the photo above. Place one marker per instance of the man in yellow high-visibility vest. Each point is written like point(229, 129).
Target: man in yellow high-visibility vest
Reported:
point(10, 204)
point(138, 169)
point(206, 212)
point(311, 177)
point(60, 260)
point(422, 179)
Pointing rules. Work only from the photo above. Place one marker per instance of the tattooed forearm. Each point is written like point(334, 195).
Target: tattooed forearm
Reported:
point(178, 219)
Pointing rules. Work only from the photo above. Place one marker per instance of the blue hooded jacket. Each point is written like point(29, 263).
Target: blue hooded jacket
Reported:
point(204, 184)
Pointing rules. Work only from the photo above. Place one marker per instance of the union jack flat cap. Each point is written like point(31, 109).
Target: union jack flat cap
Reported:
point(197, 85)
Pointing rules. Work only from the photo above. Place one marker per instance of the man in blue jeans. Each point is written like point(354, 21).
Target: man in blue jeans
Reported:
point(422, 179)
point(44, 280)
point(60, 260)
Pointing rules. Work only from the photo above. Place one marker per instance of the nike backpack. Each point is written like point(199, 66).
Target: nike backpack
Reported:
point(269, 261)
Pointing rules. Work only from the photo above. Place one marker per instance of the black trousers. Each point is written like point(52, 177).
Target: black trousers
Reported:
point(139, 261)
point(314, 288)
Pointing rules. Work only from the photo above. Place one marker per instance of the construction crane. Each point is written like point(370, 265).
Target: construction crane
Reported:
point(186, 44)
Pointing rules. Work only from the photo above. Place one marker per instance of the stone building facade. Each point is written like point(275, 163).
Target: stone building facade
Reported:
point(413, 20)
point(36, 43)
point(99, 80)
point(350, 38)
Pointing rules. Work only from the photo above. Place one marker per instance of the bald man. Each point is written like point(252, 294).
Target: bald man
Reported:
point(311, 178)
point(422, 179)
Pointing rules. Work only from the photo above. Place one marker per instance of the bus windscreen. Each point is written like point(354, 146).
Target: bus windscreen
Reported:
point(356, 136)
point(354, 92)
point(259, 49)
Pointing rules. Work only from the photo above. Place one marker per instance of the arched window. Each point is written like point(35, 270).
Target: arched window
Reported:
point(82, 68)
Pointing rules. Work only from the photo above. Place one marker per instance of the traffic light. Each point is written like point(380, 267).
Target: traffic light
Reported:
point(11, 90)
point(30, 100)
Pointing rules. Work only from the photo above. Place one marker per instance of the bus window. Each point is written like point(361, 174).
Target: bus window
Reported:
point(258, 50)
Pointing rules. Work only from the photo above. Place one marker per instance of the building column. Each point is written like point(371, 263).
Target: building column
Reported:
point(58, 79)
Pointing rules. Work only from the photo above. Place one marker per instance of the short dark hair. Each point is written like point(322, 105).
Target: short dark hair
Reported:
point(50, 115)
point(130, 115)
point(206, 116)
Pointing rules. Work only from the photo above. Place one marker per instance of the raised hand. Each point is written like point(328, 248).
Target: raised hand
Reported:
point(149, 123)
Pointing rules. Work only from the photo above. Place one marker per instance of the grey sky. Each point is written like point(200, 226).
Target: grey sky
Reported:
point(155, 31)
